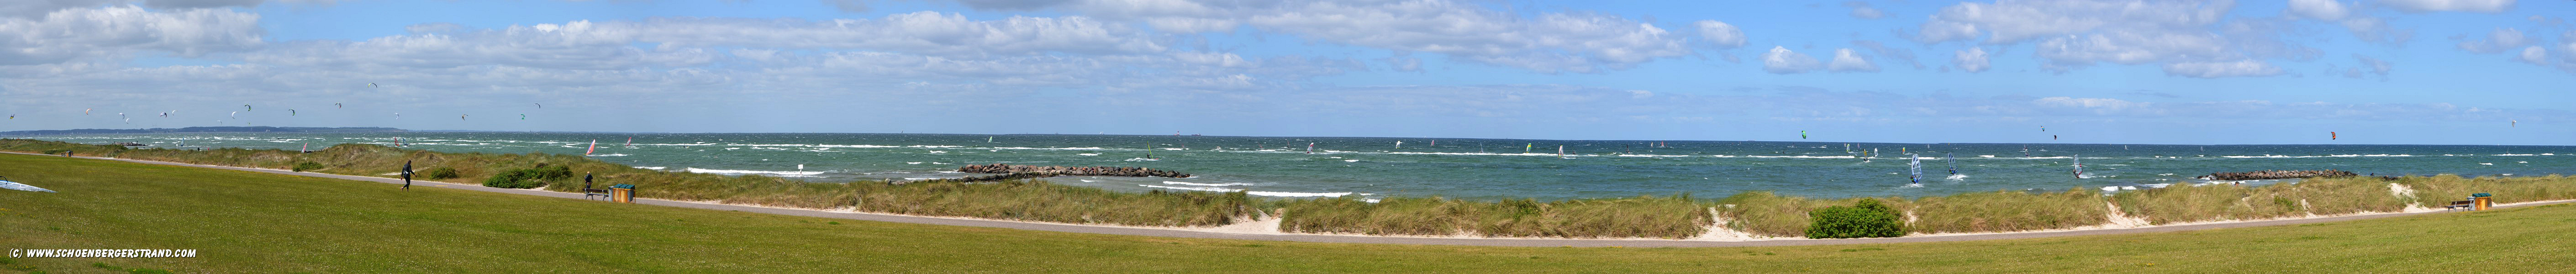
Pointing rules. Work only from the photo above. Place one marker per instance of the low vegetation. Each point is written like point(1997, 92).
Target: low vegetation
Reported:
point(1868, 219)
point(246, 222)
point(1641, 217)
point(1756, 213)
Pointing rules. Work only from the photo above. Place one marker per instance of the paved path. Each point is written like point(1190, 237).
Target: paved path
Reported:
point(1326, 238)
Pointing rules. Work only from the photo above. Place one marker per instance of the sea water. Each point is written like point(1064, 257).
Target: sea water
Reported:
point(1456, 168)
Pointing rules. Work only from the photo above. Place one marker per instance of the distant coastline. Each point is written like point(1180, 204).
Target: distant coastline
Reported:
point(201, 129)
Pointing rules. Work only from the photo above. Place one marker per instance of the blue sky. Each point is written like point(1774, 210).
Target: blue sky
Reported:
point(2149, 72)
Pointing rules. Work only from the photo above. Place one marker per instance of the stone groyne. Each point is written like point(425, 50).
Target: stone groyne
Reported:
point(2275, 174)
point(1072, 171)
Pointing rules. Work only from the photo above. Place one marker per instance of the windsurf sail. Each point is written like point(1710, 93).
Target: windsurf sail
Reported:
point(1915, 164)
point(1399, 144)
point(630, 142)
point(594, 147)
point(1954, 161)
point(1525, 148)
point(2079, 165)
point(1560, 150)
point(1310, 148)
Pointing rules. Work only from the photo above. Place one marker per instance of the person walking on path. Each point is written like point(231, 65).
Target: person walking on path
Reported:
point(406, 175)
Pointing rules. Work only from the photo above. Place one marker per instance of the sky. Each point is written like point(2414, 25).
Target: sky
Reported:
point(2482, 72)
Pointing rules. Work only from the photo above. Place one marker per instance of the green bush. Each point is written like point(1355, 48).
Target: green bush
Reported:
point(1869, 219)
point(307, 166)
point(444, 173)
point(528, 177)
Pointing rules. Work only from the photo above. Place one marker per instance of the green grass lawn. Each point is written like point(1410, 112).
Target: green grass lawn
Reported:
point(244, 222)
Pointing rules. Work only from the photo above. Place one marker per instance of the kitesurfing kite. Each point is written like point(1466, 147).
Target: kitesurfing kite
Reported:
point(1802, 134)
point(85, 111)
point(2516, 123)
point(371, 85)
point(166, 114)
point(290, 112)
point(2043, 128)
point(540, 105)
point(2330, 135)
point(13, 117)
point(397, 115)
point(460, 116)
point(523, 117)
point(338, 105)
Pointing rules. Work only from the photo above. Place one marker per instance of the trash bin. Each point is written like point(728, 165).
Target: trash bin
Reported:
point(622, 193)
point(2484, 201)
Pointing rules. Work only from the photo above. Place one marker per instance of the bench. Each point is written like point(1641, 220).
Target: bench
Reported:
point(2460, 204)
point(587, 192)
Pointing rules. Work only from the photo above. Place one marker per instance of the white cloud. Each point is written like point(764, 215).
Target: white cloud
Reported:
point(1972, 60)
point(2188, 37)
point(1724, 35)
point(1863, 11)
point(1782, 61)
point(70, 34)
point(2128, 47)
point(2485, 6)
point(2534, 55)
point(2243, 68)
point(2376, 66)
point(2502, 39)
point(1549, 43)
point(2327, 10)
point(1846, 60)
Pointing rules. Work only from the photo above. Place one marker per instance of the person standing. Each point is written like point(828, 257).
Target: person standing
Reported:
point(406, 175)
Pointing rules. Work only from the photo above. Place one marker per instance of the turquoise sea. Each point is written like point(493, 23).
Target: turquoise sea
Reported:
point(1457, 168)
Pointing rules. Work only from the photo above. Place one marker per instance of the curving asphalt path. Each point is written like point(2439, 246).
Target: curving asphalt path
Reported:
point(1332, 238)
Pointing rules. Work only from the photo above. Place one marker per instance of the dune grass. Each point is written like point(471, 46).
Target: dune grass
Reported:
point(1756, 213)
point(2008, 211)
point(1766, 214)
point(1641, 217)
point(2439, 190)
point(1017, 200)
point(245, 222)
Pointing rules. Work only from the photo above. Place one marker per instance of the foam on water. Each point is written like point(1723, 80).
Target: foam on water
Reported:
point(1202, 184)
point(723, 171)
point(1260, 193)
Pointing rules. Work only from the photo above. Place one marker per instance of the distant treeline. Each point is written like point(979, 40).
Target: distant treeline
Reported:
point(201, 129)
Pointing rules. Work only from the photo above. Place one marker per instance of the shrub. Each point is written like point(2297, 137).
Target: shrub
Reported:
point(443, 173)
point(1869, 219)
point(528, 177)
point(307, 166)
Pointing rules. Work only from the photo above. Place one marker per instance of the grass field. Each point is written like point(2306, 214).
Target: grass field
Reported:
point(244, 222)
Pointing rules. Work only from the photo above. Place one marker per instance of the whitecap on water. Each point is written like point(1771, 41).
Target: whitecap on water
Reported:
point(1087, 154)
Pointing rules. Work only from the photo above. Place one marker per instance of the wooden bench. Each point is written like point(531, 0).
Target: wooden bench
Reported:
point(2461, 204)
point(587, 192)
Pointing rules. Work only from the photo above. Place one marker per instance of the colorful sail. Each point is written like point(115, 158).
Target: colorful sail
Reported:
point(594, 147)
point(1954, 161)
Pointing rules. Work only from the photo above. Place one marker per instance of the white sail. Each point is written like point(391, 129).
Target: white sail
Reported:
point(1915, 163)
